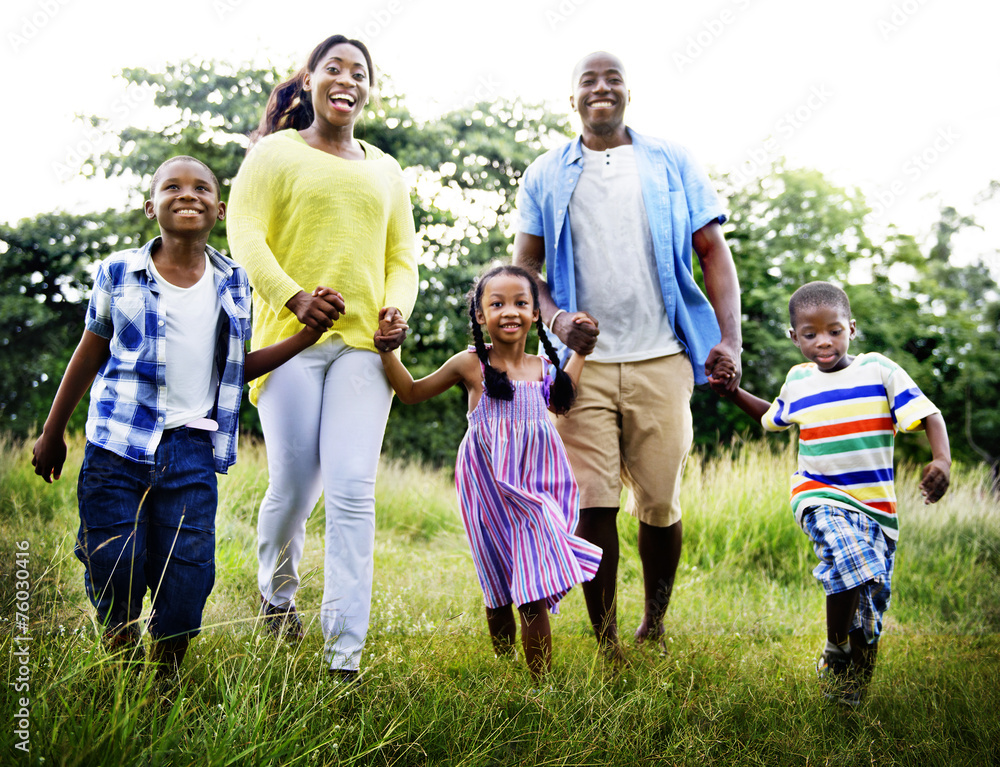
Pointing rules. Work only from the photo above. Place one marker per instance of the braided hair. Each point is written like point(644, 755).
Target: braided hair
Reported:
point(288, 105)
point(496, 382)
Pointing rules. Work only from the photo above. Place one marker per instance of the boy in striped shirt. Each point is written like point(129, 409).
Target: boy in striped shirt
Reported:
point(848, 409)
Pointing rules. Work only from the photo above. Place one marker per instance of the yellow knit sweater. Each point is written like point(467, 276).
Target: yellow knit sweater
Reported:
point(300, 217)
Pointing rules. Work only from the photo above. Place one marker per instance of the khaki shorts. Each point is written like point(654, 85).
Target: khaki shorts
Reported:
point(631, 423)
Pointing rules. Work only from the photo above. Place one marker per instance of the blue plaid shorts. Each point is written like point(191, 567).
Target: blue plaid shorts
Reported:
point(853, 553)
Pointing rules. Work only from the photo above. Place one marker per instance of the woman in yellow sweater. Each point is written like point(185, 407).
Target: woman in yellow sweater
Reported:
point(322, 223)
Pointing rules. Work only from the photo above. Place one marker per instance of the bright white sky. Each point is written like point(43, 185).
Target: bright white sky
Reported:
point(898, 97)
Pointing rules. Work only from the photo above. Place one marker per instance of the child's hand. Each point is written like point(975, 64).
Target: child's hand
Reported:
point(311, 335)
point(935, 481)
point(721, 375)
point(48, 456)
point(391, 329)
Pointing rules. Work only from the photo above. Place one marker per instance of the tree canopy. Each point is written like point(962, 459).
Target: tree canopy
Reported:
point(791, 225)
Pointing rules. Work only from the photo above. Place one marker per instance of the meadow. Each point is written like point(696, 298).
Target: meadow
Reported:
point(736, 683)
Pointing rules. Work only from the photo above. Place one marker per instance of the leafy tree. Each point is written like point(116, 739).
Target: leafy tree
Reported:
point(950, 329)
point(790, 226)
point(468, 169)
point(939, 321)
point(464, 167)
point(786, 228)
point(45, 275)
point(207, 109)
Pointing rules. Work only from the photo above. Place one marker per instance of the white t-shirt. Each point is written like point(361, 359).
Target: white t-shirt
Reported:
point(192, 318)
point(616, 276)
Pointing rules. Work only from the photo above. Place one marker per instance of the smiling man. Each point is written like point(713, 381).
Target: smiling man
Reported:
point(612, 218)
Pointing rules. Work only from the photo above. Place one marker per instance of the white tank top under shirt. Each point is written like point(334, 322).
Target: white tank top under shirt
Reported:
point(192, 318)
point(616, 277)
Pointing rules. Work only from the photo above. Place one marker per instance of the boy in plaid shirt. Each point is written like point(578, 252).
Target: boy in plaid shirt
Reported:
point(163, 353)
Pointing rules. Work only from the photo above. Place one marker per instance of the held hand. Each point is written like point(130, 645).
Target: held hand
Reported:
point(391, 329)
point(318, 310)
point(578, 330)
point(48, 456)
point(311, 335)
point(720, 377)
point(935, 481)
point(723, 369)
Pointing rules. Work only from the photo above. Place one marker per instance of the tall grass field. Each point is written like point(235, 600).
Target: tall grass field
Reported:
point(736, 683)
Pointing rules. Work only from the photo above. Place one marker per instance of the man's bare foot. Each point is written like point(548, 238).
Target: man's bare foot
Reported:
point(651, 632)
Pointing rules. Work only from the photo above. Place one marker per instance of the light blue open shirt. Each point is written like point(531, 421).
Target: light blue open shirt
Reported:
point(679, 200)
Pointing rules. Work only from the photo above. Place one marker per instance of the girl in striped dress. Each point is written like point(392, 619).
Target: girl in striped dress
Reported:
point(518, 497)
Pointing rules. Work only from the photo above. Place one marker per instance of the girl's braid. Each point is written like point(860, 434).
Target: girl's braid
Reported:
point(563, 394)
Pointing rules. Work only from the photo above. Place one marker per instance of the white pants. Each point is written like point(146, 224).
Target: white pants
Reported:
point(323, 415)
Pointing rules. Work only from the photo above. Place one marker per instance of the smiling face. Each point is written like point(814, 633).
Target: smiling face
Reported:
point(599, 93)
point(339, 85)
point(823, 334)
point(184, 198)
point(507, 308)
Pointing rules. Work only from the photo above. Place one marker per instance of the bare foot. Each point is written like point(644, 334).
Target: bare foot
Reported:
point(614, 653)
point(654, 634)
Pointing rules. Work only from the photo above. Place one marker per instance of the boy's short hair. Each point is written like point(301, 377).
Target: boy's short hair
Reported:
point(814, 294)
point(159, 172)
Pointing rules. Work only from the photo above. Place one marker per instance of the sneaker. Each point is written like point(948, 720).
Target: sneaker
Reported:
point(167, 655)
point(282, 621)
point(124, 643)
point(349, 677)
point(838, 680)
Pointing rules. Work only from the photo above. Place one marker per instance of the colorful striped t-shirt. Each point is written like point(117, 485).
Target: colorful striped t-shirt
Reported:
point(847, 421)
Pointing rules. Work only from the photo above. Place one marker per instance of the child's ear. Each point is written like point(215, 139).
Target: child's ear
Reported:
point(149, 210)
point(854, 330)
point(222, 211)
point(480, 317)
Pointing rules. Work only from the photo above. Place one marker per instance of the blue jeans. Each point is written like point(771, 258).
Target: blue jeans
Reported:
point(150, 526)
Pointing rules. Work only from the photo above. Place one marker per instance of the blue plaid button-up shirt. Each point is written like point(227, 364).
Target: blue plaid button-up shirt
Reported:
point(128, 398)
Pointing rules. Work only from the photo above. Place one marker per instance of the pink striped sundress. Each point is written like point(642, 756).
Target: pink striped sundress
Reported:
point(520, 502)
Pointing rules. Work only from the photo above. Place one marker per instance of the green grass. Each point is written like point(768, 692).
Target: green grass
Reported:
point(736, 685)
